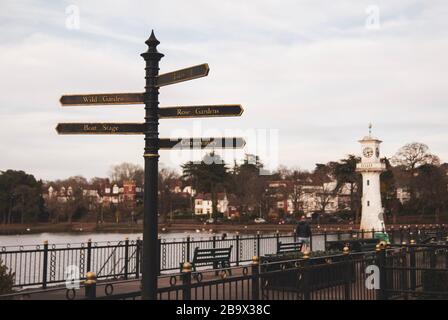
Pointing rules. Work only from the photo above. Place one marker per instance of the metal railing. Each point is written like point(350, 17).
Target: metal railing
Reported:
point(337, 277)
point(45, 265)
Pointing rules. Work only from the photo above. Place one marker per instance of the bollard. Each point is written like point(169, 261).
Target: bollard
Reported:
point(255, 278)
point(90, 286)
point(381, 259)
point(347, 273)
point(306, 278)
point(186, 280)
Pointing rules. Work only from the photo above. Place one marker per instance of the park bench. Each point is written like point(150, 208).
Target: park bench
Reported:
point(427, 237)
point(219, 258)
point(289, 247)
point(357, 245)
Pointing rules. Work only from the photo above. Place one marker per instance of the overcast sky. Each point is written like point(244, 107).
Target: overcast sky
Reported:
point(315, 72)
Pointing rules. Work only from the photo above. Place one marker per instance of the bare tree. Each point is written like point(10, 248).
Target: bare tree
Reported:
point(127, 171)
point(322, 176)
point(413, 155)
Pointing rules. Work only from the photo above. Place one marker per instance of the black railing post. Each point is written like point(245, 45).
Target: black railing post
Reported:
point(432, 257)
point(150, 266)
point(373, 233)
point(311, 242)
point(186, 281)
point(89, 255)
point(90, 286)
point(138, 246)
point(401, 234)
point(126, 258)
point(362, 233)
point(306, 290)
point(158, 255)
point(188, 249)
point(381, 258)
point(412, 266)
point(348, 273)
point(45, 265)
point(255, 278)
point(294, 234)
point(258, 244)
point(214, 241)
point(277, 239)
point(237, 247)
point(338, 232)
point(325, 239)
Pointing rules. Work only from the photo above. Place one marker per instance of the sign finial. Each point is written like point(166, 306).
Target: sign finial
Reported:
point(152, 44)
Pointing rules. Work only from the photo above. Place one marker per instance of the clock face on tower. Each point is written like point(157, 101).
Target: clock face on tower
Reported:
point(367, 152)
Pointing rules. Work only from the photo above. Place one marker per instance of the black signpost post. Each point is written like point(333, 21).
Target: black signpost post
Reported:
point(150, 128)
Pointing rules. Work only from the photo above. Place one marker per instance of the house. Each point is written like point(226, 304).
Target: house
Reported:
point(203, 204)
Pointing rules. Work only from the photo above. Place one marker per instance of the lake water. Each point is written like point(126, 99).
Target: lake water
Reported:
point(76, 238)
point(72, 238)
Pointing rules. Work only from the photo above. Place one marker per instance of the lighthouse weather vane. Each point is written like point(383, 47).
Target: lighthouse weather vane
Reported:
point(150, 129)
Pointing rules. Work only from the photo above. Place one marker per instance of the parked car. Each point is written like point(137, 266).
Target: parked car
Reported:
point(259, 220)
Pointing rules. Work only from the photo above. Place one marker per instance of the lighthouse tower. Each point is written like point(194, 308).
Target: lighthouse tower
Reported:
point(371, 167)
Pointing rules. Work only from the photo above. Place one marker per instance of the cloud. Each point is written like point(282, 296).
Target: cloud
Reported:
point(307, 68)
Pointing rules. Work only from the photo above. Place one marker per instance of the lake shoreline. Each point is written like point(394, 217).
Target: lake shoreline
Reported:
point(89, 227)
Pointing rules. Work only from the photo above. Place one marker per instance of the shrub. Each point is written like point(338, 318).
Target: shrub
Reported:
point(6, 279)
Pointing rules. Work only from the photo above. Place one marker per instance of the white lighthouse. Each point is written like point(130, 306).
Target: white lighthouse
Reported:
point(371, 167)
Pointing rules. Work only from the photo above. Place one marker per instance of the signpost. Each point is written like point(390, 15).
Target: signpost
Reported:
point(201, 143)
point(101, 99)
point(150, 128)
point(230, 110)
point(186, 74)
point(100, 128)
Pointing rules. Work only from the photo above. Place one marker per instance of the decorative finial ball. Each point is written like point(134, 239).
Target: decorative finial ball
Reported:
point(346, 250)
point(255, 259)
point(90, 277)
point(306, 254)
point(186, 267)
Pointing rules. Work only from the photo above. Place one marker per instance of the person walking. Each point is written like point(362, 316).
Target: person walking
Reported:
point(303, 232)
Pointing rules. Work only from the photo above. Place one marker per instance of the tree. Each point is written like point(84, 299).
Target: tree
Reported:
point(430, 185)
point(388, 190)
point(345, 173)
point(413, 155)
point(247, 185)
point(21, 198)
point(127, 171)
point(167, 178)
point(322, 176)
point(211, 175)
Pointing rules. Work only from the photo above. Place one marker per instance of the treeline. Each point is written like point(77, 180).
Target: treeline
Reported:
point(413, 170)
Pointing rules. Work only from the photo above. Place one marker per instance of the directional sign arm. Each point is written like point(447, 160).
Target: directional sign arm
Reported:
point(201, 143)
point(100, 128)
point(101, 99)
point(186, 74)
point(229, 110)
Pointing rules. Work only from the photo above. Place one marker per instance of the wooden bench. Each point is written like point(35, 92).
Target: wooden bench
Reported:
point(289, 247)
point(219, 258)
